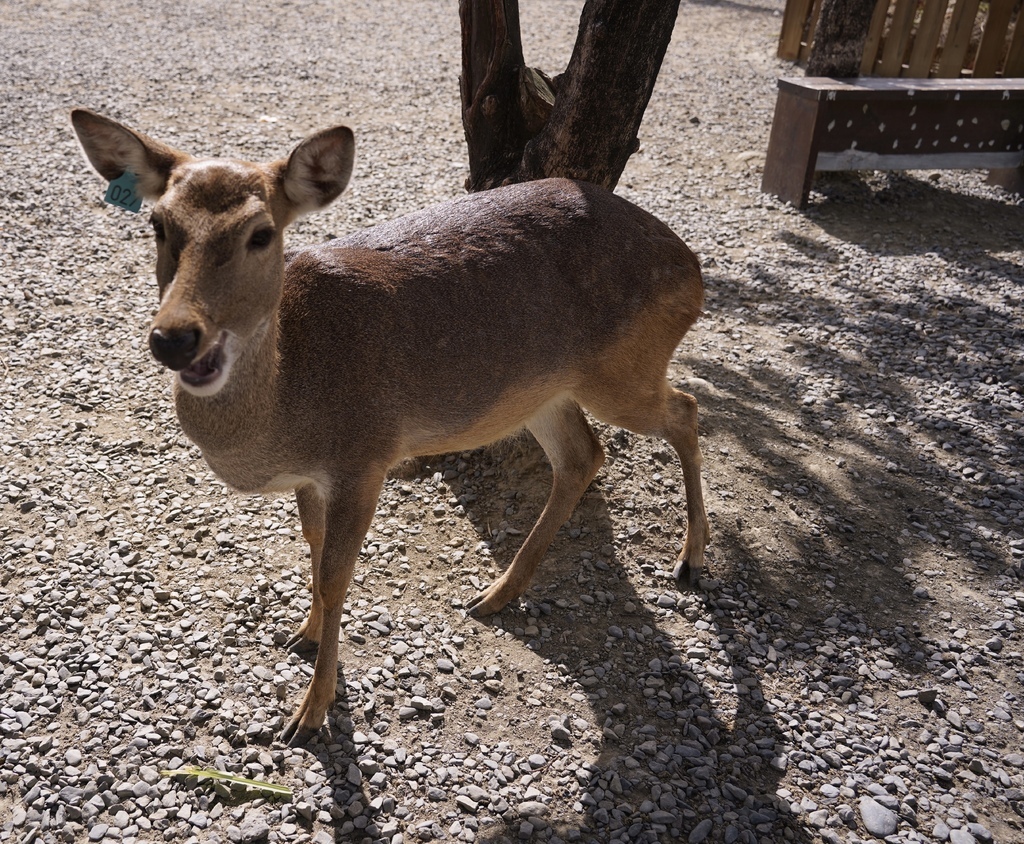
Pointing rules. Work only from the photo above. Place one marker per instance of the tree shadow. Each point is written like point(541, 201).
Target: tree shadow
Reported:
point(898, 213)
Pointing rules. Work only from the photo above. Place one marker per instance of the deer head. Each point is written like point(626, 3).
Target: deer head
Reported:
point(219, 228)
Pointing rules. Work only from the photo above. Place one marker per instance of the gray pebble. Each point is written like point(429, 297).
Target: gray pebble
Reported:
point(878, 820)
point(700, 831)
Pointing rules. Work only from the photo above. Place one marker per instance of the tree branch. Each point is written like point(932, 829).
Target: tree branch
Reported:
point(520, 125)
point(603, 93)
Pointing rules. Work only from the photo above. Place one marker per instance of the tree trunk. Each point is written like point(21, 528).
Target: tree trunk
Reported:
point(521, 126)
point(840, 36)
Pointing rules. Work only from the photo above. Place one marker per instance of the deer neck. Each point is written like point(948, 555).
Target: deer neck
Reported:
point(237, 421)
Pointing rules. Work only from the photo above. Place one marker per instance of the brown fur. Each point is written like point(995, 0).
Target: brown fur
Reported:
point(441, 331)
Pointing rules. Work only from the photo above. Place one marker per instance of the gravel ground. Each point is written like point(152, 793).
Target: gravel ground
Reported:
point(851, 668)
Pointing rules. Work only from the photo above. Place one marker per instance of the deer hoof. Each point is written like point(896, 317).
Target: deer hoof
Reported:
point(295, 735)
point(484, 605)
point(687, 576)
point(302, 645)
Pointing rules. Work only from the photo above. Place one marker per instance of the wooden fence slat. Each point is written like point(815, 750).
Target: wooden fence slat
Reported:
point(993, 39)
point(793, 21)
point(922, 55)
point(896, 39)
point(1014, 65)
point(874, 39)
point(958, 39)
point(904, 52)
point(812, 27)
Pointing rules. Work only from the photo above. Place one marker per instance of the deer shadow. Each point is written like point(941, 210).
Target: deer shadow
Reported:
point(591, 615)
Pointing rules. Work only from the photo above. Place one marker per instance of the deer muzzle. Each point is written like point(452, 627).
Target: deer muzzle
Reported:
point(175, 349)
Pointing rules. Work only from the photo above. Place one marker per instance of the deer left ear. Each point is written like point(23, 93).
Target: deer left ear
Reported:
point(319, 169)
point(112, 149)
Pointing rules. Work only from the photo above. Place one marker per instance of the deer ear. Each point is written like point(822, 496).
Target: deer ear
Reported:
point(318, 169)
point(113, 149)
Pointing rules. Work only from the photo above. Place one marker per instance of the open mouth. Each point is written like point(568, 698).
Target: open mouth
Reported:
point(208, 368)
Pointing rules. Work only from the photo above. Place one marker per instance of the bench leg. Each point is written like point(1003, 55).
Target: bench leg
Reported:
point(792, 149)
point(1010, 179)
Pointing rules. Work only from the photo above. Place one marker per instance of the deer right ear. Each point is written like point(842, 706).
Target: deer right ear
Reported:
point(318, 169)
point(113, 149)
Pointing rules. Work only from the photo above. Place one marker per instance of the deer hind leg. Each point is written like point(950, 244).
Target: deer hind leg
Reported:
point(312, 514)
point(660, 411)
point(575, 456)
point(348, 514)
point(681, 432)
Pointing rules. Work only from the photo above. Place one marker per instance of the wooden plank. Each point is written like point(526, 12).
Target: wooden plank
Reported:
point(789, 165)
point(897, 38)
point(914, 126)
point(794, 20)
point(1014, 65)
point(922, 55)
point(958, 39)
point(874, 39)
point(876, 87)
point(812, 27)
point(993, 39)
point(855, 159)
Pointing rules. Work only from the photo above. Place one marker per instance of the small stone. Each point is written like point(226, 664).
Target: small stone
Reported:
point(466, 804)
point(700, 831)
point(878, 820)
point(928, 696)
point(253, 829)
point(149, 775)
point(532, 809)
point(980, 832)
point(961, 836)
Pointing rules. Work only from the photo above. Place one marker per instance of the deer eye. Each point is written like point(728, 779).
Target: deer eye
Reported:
point(261, 238)
point(158, 229)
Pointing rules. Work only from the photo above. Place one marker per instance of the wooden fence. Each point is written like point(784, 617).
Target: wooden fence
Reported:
point(924, 38)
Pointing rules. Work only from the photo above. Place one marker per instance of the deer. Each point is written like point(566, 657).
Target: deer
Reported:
point(318, 369)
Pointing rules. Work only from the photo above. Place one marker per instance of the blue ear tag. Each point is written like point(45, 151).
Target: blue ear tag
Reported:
point(121, 192)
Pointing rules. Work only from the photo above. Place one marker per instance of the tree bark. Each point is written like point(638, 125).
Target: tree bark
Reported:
point(492, 59)
point(521, 126)
point(840, 36)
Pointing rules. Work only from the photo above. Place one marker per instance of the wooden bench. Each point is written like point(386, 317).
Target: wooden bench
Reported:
point(894, 116)
point(871, 123)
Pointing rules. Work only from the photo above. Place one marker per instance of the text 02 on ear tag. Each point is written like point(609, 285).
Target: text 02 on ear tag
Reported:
point(122, 192)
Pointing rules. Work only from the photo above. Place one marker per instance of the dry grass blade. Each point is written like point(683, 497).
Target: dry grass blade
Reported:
point(232, 780)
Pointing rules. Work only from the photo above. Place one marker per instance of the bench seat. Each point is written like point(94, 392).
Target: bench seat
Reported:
point(871, 123)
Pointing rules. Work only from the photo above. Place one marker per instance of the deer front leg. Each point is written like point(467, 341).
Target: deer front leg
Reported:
point(348, 512)
point(312, 514)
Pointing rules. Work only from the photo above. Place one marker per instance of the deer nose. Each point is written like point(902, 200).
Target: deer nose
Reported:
point(174, 349)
